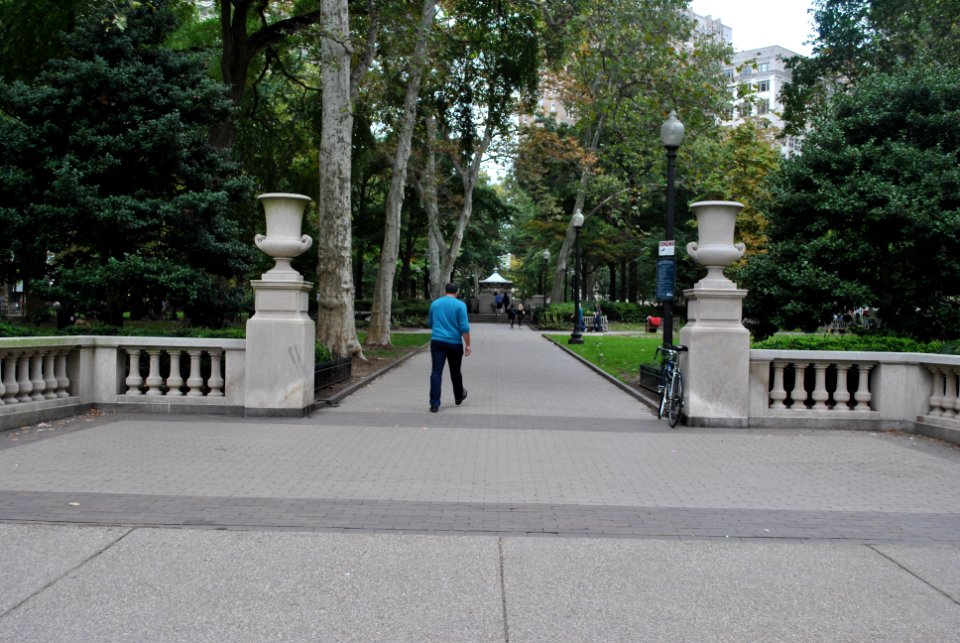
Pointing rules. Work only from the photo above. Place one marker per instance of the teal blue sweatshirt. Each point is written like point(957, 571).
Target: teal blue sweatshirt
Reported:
point(448, 319)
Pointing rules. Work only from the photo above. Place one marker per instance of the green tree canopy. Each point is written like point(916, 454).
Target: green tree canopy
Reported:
point(106, 170)
point(857, 38)
point(869, 213)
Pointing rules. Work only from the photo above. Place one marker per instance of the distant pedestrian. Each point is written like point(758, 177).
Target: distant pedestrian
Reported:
point(449, 342)
point(499, 300)
point(598, 321)
point(520, 314)
point(512, 313)
point(506, 300)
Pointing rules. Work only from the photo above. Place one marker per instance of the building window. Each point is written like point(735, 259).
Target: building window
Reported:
point(763, 86)
point(764, 66)
point(763, 106)
point(728, 74)
point(745, 109)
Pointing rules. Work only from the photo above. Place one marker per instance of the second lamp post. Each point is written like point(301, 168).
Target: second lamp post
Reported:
point(576, 337)
point(671, 135)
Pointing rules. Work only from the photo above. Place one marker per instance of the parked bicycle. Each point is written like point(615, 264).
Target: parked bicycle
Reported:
point(671, 384)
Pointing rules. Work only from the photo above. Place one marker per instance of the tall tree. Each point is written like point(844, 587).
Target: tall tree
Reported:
point(336, 327)
point(107, 164)
point(869, 213)
point(488, 59)
point(32, 32)
point(632, 64)
point(856, 38)
point(239, 47)
point(378, 334)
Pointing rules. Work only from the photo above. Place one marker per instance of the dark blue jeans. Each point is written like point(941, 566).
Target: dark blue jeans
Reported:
point(442, 352)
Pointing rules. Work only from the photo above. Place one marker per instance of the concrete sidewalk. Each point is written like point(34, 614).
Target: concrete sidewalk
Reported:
point(377, 520)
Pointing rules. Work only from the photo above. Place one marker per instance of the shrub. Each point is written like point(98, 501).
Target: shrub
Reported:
point(321, 353)
point(872, 343)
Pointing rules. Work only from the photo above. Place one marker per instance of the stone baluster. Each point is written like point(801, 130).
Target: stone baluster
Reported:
point(841, 396)
point(216, 379)
point(10, 386)
point(956, 404)
point(154, 382)
point(950, 393)
point(195, 381)
point(799, 392)
point(175, 380)
point(23, 377)
point(49, 368)
point(778, 394)
point(134, 380)
point(63, 381)
point(820, 394)
point(36, 376)
point(936, 390)
point(863, 395)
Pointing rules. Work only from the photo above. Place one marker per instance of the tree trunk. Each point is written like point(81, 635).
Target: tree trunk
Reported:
point(468, 178)
point(408, 286)
point(358, 270)
point(612, 267)
point(633, 283)
point(336, 327)
point(427, 189)
point(378, 334)
point(623, 279)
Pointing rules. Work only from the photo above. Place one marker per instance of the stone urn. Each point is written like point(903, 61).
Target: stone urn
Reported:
point(283, 240)
point(715, 248)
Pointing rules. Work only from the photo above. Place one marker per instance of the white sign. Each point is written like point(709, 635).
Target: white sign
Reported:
point(667, 248)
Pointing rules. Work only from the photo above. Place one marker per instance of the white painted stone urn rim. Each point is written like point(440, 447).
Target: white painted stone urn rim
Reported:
point(284, 195)
point(701, 203)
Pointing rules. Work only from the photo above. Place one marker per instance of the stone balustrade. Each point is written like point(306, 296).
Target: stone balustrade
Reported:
point(181, 373)
point(827, 385)
point(33, 374)
point(43, 378)
point(877, 391)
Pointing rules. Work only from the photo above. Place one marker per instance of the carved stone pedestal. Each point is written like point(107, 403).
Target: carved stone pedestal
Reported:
point(717, 366)
point(280, 335)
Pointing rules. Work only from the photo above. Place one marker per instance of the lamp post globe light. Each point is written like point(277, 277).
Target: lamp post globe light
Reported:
point(577, 222)
point(671, 135)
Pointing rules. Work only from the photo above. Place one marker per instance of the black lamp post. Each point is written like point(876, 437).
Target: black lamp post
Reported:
point(543, 276)
point(671, 134)
point(577, 221)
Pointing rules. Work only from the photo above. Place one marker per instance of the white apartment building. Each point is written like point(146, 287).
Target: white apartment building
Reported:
point(760, 74)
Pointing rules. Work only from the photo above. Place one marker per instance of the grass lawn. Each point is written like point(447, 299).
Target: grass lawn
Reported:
point(402, 343)
point(619, 355)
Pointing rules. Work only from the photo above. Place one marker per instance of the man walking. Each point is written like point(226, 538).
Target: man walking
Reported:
point(448, 320)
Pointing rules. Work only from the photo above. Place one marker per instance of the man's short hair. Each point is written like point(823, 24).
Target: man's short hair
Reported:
point(451, 288)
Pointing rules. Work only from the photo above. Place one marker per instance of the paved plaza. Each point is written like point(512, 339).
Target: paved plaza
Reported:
point(549, 506)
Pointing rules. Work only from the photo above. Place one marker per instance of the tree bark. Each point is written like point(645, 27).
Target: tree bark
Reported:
point(427, 189)
point(378, 334)
point(336, 327)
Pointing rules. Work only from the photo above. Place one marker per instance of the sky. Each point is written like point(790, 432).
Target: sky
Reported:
point(761, 23)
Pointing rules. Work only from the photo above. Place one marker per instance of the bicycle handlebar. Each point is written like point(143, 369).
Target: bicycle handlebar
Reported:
point(679, 348)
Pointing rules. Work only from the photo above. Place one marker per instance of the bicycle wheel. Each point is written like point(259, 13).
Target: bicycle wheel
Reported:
point(675, 404)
